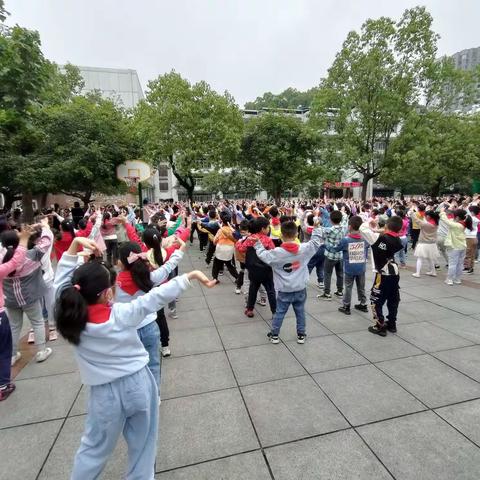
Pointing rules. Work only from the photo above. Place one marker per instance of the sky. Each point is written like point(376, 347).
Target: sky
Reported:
point(247, 47)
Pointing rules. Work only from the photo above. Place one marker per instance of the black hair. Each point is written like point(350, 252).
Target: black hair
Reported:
point(289, 229)
point(139, 269)
point(243, 225)
point(310, 219)
point(153, 239)
point(274, 211)
point(400, 212)
point(474, 209)
point(76, 204)
point(225, 217)
point(433, 215)
point(422, 208)
point(10, 241)
point(71, 312)
point(68, 226)
point(82, 224)
point(355, 222)
point(212, 214)
point(106, 216)
point(462, 215)
point(336, 217)
point(262, 223)
point(394, 224)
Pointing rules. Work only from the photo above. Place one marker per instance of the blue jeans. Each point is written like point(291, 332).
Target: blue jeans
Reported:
point(128, 405)
point(317, 262)
point(150, 337)
point(401, 256)
point(297, 301)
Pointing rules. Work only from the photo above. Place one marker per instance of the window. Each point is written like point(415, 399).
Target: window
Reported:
point(162, 171)
point(163, 186)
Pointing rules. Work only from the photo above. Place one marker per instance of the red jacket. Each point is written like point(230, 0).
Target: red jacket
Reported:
point(62, 245)
point(242, 245)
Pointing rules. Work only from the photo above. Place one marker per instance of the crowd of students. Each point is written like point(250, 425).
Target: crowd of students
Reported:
point(104, 276)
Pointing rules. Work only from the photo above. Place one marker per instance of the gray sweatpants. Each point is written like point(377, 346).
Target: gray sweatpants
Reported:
point(34, 314)
point(128, 405)
point(347, 294)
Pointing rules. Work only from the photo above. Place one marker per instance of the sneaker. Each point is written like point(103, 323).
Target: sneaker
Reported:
point(465, 270)
point(469, 271)
point(339, 293)
point(361, 307)
point(6, 390)
point(378, 330)
point(52, 335)
point(273, 338)
point(42, 355)
point(166, 352)
point(262, 302)
point(392, 328)
point(324, 296)
point(416, 275)
point(457, 282)
point(238, 291)
point(320, 285)
point(437, 267)
point(448, 281)
point(403, 265)
point(220, 273)
point(15, 358)
point(431, 274)
point(301, 337)
point(31, 337)
point(249, 313)
point(345, 309)
point(172, 313)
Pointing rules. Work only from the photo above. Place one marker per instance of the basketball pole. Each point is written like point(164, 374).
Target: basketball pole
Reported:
point(140, 199)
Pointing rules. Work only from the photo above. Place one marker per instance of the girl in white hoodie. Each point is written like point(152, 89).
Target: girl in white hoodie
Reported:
point(112, 361)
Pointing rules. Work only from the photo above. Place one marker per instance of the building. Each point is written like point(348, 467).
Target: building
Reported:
point(468, 59)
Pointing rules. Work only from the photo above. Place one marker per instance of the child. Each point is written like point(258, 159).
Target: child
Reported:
point(333, 260)
point(290, 271)
point(471, 239)
point(240, 256)
point(354, 263)
point(386, 283)
point(224, 248)
point(134, 280)
point(6, 268)
point(112, 360)
point(426, 249)
point(258, 272)
point(456, 243)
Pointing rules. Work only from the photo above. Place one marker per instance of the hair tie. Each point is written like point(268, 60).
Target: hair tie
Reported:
point(76, 287)
point(10, 247)
point(133, 257)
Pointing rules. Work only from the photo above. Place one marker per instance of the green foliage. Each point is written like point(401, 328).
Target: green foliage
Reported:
point(190, 126)
point(232, 180)
point(435, 151)
point(278, 148)
point(289, 98)
point(377, 80)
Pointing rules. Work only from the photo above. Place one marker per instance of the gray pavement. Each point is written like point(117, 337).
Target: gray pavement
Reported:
point(346, 405)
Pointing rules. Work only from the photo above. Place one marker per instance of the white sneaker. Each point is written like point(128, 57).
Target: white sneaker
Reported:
point(448, 281)
point(416, 275)
point(457, 282)
point(42, 355)
point(238, 291)
point(173, 313)
point(262, 302)
point(431, 274)
point(166, 352)
point(16, 358)
point(320, 285)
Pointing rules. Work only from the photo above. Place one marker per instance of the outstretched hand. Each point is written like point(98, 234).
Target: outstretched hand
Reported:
point(202, 278)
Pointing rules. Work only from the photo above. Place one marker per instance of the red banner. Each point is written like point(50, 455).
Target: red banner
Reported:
point(341, 184)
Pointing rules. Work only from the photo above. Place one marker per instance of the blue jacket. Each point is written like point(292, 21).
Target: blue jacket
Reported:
point(355, 251)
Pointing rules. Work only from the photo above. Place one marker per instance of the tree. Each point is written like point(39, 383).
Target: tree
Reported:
point(277, 148)
point(289, 98)
point(434, 151)
point(83, 141)
point(233, 180)
point(191, 127)
point(380, 76)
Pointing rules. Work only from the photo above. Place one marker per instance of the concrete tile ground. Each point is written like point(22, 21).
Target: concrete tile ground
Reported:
point(346, 405)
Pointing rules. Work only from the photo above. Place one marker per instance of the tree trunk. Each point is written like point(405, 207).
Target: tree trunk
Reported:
point(27, 207)
point(190, 190)
point(86, 199)
point(366, 179)
point(435, 191)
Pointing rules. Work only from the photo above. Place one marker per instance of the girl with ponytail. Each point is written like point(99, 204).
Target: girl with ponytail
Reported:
point(112, 360)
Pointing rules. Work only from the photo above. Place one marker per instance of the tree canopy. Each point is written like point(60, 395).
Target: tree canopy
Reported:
point(191, 127)
point(289, 98)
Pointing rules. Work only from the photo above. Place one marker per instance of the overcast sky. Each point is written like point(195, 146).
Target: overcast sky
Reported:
point(247, 47)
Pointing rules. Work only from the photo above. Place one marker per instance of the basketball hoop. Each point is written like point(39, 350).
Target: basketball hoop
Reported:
point(132, 184)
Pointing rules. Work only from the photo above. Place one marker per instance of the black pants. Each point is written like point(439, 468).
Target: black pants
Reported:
point(112, 251)
point(163, 326)
point(194, 229)
point(5, 349)
point(241, 276)
point(255, 283)
point(202, 239)
point(210, 252)
point(415, 233)
point(385, 289)
point(218, 267)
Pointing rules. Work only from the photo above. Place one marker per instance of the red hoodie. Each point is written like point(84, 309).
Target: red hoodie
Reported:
point(242, 245)
point(62, 245)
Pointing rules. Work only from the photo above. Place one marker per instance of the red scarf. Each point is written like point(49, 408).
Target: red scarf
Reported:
point(291, 247)
point(99, 313)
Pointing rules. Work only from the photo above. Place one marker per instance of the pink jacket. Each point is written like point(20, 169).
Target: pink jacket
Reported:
point(9, 267)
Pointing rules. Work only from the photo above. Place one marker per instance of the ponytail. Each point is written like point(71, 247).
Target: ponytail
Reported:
point(139, 269)
point(10, 241)
point(152, 239)
point(464, 218)
point(71, 308)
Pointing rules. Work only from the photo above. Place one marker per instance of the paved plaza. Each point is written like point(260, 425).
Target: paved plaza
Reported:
point(346, 405)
